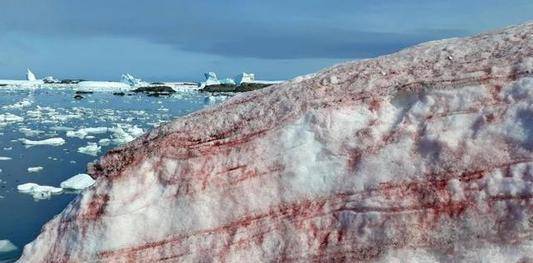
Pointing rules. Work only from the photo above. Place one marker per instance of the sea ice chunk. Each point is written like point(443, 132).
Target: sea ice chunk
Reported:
point(78, 182)
point(35, 169)
point(245, 78)
point(6, 246)
point(38, 191)
point(131, 80)
point(92, 148)
point(82, 133)
point(10, 118)
point(52, 141)
point(30, 76)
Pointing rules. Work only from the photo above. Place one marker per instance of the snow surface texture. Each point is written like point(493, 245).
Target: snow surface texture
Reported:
point(424, 155)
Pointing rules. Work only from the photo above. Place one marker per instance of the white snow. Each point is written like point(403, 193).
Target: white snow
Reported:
point(35, 169)
point(91, 149)
point(6, 246)
point(78, 182)
point(52, 142)
point(39, 191)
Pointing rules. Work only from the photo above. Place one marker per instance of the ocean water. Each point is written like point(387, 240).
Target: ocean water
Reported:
point(49, 113)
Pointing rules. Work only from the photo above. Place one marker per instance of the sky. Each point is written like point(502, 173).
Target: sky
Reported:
point(179, 40)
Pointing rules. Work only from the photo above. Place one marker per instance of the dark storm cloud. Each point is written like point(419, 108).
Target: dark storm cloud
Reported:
point(183, 38)
point(297, 29)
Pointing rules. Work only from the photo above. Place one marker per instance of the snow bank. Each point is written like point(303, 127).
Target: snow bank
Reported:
point(78, 182)
point(425, 154)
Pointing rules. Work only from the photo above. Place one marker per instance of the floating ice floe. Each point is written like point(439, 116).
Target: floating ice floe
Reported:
point(78, 182)
point(35, 169)
point(6, 246)
point(126, 133)
point(29, 132)
point(91, 149)
point(7, 118)
point(4, 158)
point(39, 191)
point(52, 142)
point(82, 133)
point(102, 86)
point(104, 142)
point(26, 102)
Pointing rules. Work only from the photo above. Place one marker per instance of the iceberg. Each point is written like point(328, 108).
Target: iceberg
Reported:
point(245, 78)
point(30, 76)
point(211, 79)
point(6, 246)
point(51, 80)
point(77, 182)
point(131, 80)
point(52, 142)
point(91, 149)
point(82, 133)
point(39, 192)
point(35, 169)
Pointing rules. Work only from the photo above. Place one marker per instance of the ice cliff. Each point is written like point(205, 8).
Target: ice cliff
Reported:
point(423, 155)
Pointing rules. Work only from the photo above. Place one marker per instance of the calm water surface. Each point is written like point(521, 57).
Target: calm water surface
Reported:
point(51, 113)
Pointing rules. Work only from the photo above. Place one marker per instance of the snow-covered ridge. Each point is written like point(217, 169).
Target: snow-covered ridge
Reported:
point(425, 154)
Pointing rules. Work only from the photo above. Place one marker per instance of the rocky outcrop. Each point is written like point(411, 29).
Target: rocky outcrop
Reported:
point(425, 154)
